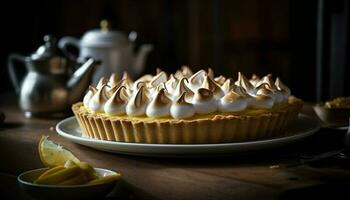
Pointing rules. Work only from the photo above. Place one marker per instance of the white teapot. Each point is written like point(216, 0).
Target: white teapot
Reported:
point(113, 48)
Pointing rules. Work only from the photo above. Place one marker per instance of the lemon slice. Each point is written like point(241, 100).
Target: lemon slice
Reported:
point(52, 154)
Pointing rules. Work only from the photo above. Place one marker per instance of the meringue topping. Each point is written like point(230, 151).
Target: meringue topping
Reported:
point(180, 109)
point(164, 96)
point(181, 88)
point(158, 79)
point(113, 80)
point(154, 91)
point(240, 90)
point(171, 83)
point(116, 86)
point(182, 100)
point(145, 78)
point(265, 89)
point(137, 103)
point(98, 100)
point(196, 80)
point(220, 79)
point(127, 80)
point(254, 80)
point(244, 82)
point(184, 72)
point(89, 95)
point(210, 73)
point(227, 86)
point(233, 102)
point(262, 101)
point(159, 105)
point(209, 84)
point(101, 82)
point(116, 104)
point(204, 101)
point(268, 79)
point(282, 87)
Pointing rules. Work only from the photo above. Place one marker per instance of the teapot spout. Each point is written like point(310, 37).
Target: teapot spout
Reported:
point(80, 80)
point(140, 58)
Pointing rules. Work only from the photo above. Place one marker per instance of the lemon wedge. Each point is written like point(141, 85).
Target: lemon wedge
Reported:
point(66, 169)
point(52, 154)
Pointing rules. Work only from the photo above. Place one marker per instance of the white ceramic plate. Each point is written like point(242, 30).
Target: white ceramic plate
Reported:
point(304, 126)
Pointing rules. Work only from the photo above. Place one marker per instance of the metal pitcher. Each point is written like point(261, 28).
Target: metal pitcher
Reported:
point(51, 84)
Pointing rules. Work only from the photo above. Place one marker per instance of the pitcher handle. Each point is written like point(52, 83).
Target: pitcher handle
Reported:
point(12, 69)
point(64, 42)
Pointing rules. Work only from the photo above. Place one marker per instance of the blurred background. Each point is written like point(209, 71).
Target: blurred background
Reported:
point(303, 42)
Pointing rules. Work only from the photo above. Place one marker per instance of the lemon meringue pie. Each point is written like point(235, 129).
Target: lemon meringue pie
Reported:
point(185, 108)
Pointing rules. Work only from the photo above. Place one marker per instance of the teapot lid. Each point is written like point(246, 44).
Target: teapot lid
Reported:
point(104, 37)
point(47, 50)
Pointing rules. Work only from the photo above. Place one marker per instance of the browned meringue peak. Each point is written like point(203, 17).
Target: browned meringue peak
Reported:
point(123, 82)
point(158, 79)
point(113, 80)
point(115, 87)
point(101, 82)
point(127, 80)
point(184, 72)
point(240, 90)
point(161, 99)
point(232, 96)
point(264, 86)
point(255, 79)
point(281, 86)
point(197, 78)
point(151, 92)
point(220, 79)
point(92, 89)
point(209, 84)
point(181, 100)
point(244, 82)
point(203, 94)
point(227, 85)
point(140, 98)
point(210, 73)
point(264, 90)
point(171, 83)
point(139, 84)
point(119, 96)
point(268, 79)
point(181, 88)
point(100, 96)
point(145, 78)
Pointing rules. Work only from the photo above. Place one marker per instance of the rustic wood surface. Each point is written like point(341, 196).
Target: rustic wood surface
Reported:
point(257, 175)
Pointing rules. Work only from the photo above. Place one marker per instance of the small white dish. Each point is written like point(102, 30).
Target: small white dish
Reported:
point(53, 192)
point(304, 126)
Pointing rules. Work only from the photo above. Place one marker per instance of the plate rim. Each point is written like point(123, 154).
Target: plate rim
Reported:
point(301, 135)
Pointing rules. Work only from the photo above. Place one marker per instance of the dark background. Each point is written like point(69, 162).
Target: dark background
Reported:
point(252, 36)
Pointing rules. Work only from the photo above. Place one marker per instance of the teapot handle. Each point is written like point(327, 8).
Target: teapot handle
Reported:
point(64, 42)
point(12, 69)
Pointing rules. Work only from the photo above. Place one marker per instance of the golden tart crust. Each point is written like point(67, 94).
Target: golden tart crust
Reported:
point(214, 128)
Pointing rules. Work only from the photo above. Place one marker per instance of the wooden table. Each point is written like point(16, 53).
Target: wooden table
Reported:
point(257, 175)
